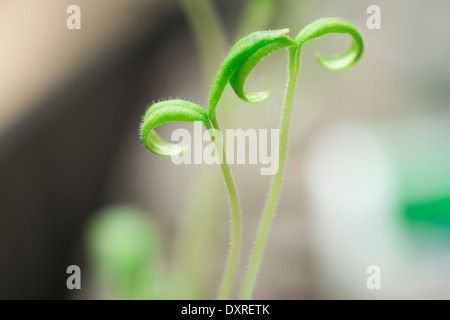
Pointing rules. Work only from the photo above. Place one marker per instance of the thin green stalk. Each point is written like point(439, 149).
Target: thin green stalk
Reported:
point(338, 62)
point(182, 110)
point(269, 212)
point(211, 43)
point(242, 50)
point(233, 252)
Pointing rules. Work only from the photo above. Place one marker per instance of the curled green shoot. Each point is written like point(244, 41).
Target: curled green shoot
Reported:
point(167, 111)
point(257, 44)
point(238, 64)
point(181, 110)
point(251, 48)
point(342, 61)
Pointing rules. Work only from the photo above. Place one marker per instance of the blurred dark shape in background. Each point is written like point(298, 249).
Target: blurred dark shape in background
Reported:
point(54, 159)
point(59, 139)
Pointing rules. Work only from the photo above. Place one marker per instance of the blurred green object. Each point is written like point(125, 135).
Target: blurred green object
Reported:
point(256, 15)
point(125, 249)
point(436, 212)
point(421, 151)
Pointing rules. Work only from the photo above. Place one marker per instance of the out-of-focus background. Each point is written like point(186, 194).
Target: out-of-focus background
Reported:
point(368, 171)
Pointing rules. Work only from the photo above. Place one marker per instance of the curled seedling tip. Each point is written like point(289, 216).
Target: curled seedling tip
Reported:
point(168, 111)
point(341, 61)
point(324, 26)
point(241, 60)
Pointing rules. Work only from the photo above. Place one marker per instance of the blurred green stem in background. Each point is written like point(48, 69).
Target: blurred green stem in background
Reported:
point(256, 15)
point(208, 32)
point(199, 221)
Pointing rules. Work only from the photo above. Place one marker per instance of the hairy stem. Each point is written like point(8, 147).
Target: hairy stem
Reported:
point(233, 252)
point(269, 212)
point(211, 42)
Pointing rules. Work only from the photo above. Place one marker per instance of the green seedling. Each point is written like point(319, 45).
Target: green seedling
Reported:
point(238, 64)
